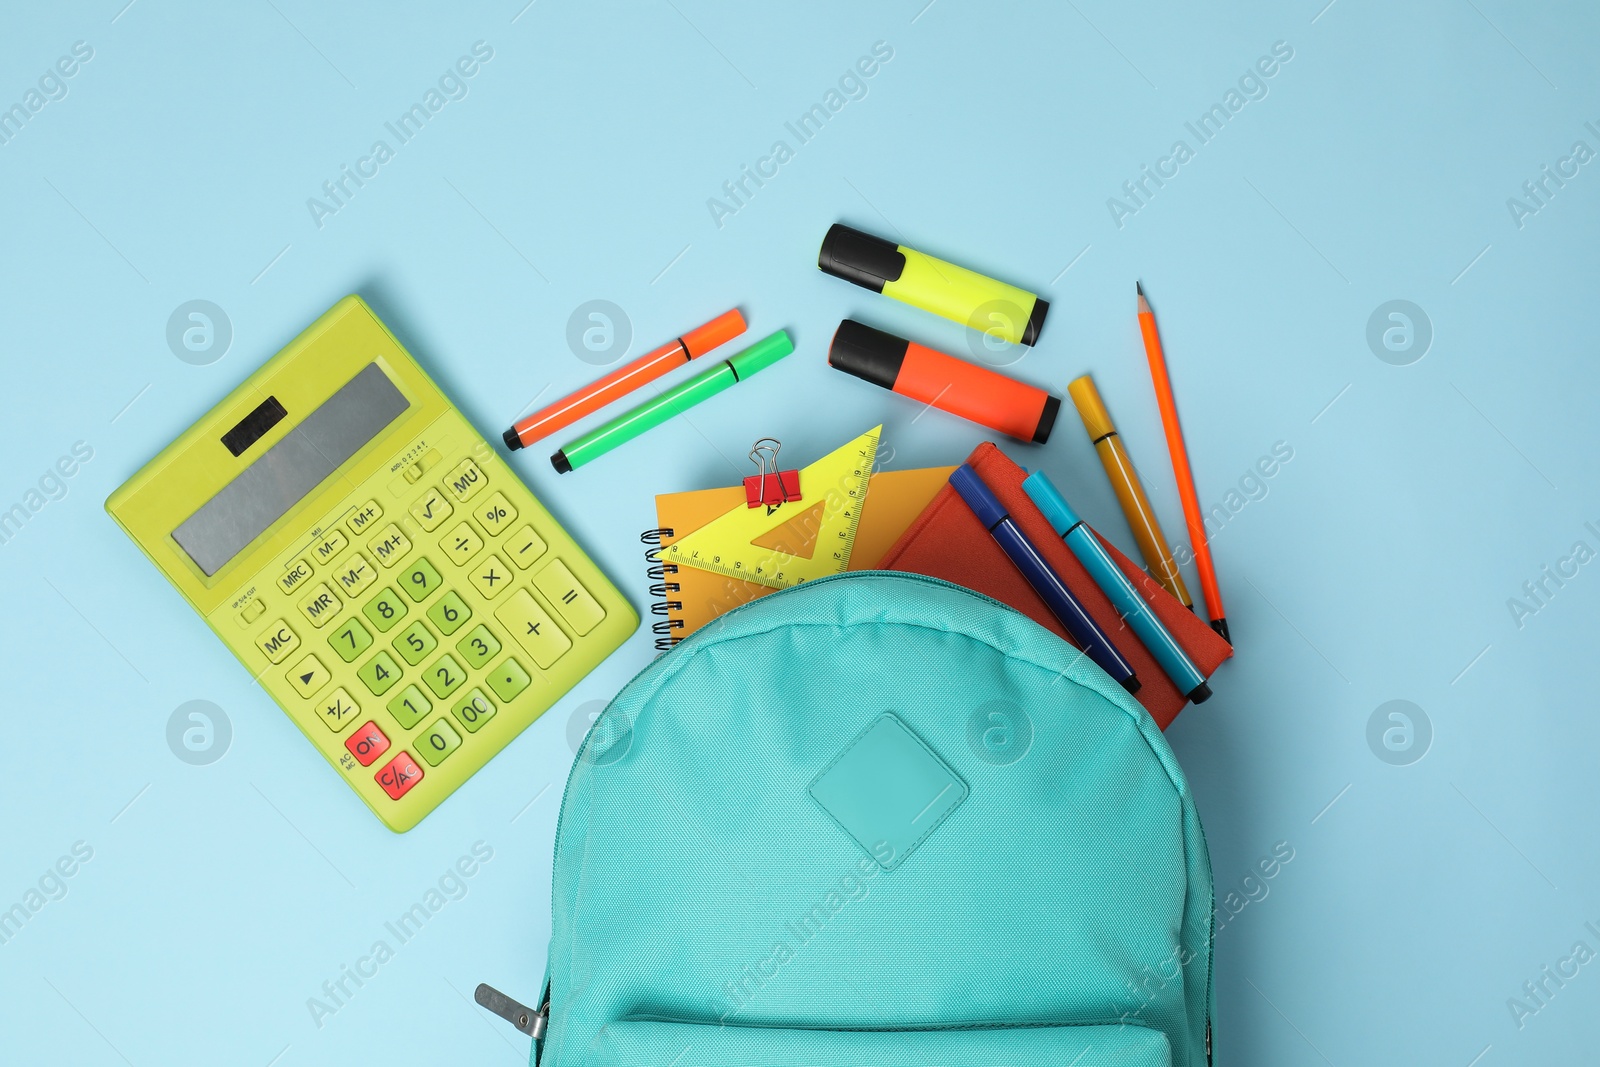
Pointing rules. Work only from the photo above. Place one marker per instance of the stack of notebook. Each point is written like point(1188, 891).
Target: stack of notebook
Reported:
point(913, 521)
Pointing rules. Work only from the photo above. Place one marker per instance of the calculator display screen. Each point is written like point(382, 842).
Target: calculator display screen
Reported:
point(291, 469)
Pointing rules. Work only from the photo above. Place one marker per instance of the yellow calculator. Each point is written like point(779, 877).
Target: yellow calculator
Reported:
point(374, 564)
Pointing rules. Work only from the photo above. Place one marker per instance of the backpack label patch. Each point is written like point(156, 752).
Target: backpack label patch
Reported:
point(888, 790)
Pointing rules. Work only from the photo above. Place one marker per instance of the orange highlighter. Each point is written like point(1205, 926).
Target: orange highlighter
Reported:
point(624, 380)
point(1130, 493)
point(986, 397)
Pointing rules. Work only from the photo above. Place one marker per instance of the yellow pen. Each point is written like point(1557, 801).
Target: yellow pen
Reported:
point(1130, 494)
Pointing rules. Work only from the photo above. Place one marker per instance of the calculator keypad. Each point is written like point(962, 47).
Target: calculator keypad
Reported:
point(430, 651)
point(461, 544)
point(582, 611)
point(367, 744)
point(379, 674)
point(390, 546)
point(409, 707)
point(350, 640)
point(490, 577)
point(277, 641)
point(431, 510)
point(465, 481)
point(297, 574)
point(399, 776)
point(533, 629)
point(309, 675)
point(437, 742)
point(495, 514)
point(365, 515)
point(321, 606)
point(385, 610)
point(338, 710)
point(420, 580)
point(449, 613)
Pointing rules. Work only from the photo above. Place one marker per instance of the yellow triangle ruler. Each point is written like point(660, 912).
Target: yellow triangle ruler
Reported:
point(791, 543)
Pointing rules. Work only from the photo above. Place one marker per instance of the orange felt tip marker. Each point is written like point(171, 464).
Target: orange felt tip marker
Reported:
point(625, 379)
point(986, 397)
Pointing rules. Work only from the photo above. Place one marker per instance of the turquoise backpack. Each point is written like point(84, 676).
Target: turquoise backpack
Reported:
point(876, 820)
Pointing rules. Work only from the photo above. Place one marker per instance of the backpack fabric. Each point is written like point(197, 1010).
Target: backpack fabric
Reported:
point(877, 819)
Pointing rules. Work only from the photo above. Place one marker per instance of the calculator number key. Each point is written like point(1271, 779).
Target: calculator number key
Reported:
point(571, 599)
point(525, 547)
point(495, 515)
point(491, 576)
point(409, 707)
point(473, 711)
point(277, 641)
point(465, 481)
point(420, 580)
point(379, 673)
point(367, 744)
point(321, 606)
point(533, 629)
point(478, 647)
point(449, 613)
point(437, 742)
point(390, 546)
point(431, 509)
point(444, 677)
point(350, 640)
point(414, 642)
point(399, 776)
point(461, 544)
point(385, 610)
point(337, 709)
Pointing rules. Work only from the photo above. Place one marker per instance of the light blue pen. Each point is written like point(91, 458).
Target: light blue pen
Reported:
point(1115, 585)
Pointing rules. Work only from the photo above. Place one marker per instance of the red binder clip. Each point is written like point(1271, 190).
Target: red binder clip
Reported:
point(771, 486)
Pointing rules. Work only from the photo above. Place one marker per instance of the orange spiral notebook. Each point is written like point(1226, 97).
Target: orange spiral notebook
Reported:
point(685, 599)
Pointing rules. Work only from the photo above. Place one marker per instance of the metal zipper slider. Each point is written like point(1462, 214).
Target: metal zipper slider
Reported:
point(521, 1016)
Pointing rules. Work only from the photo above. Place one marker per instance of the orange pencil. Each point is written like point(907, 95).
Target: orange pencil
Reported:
point(1180, 467)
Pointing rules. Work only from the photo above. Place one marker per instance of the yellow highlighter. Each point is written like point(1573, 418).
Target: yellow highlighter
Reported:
point(916, 278)
point(1130, 494)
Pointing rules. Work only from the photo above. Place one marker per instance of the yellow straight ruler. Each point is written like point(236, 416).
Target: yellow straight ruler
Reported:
point(794, 542)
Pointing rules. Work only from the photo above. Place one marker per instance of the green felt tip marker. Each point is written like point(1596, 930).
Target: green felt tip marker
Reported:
point(703, 386)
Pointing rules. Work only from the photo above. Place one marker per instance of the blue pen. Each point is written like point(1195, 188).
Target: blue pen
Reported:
point(1063, 605)
point(1123, 596)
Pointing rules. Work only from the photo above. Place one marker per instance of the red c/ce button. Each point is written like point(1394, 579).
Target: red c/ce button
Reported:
point(399, 775)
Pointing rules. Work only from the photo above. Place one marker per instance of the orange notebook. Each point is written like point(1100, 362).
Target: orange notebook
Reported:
point(685, 599)
point(947, 541)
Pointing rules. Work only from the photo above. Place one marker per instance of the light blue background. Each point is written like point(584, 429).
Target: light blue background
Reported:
point(1377, 567)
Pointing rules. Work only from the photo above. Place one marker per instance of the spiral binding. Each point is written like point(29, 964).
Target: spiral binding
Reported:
point(660, 587)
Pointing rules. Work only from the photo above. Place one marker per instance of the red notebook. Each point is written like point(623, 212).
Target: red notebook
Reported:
point(947, 541)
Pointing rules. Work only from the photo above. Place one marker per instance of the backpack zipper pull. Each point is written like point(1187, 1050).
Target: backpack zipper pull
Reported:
point(521, 1016)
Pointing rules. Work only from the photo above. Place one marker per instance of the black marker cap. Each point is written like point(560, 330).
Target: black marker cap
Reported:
point(560, 463)
point(1131, 684)
point(1200, 693)
point(1030, 332)
point(861, 258)
point(869, 354)
point(513, 442)
point(1047, 419)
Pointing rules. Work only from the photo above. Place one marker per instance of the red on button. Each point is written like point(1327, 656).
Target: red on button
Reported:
point(367, 744)
point(399, 775)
